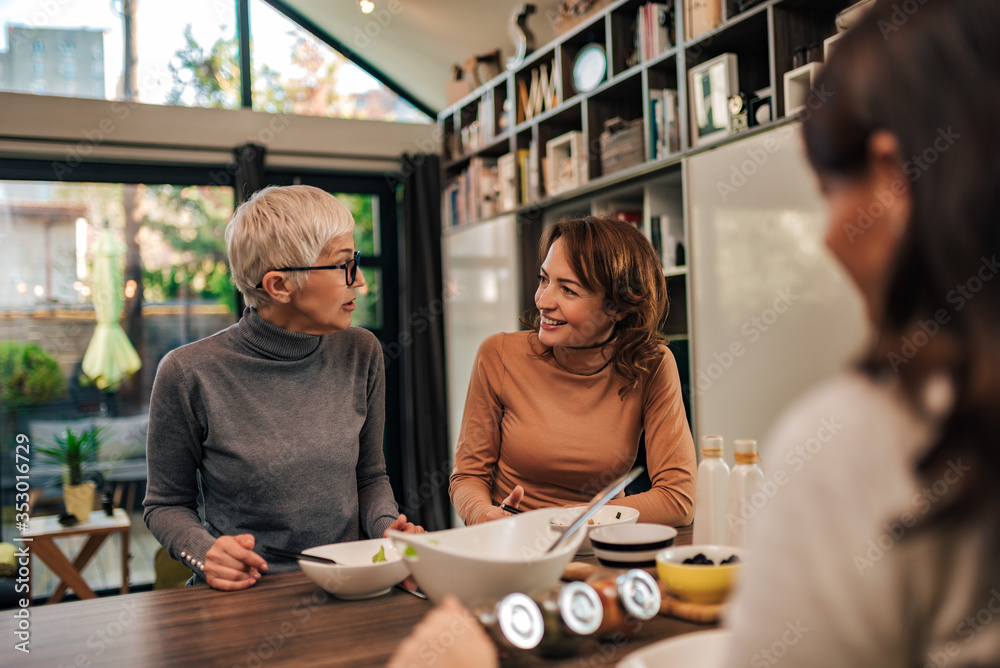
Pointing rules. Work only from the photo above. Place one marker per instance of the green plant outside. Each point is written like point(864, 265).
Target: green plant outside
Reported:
point(74, 452)
point(28, 374)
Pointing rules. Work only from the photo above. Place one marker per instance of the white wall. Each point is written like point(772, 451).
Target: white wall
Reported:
point(70, 129)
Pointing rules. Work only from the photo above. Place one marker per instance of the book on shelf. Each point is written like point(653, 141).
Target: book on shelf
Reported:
point(534, 178)
point(625, 211)
point(482, 187)
point(671, 123)
point(653, 30)
point(507, 177)
point(665, 135)
point(479, 132)
point(522, 170)
point(700, 16)
point(471, 195)
point(664, 242)
point(667, 237)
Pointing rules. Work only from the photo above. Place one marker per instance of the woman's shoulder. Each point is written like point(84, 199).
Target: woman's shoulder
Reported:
point(661, 363)
point(358, 343)
point(355, 336)
point(201, 351)
point(506, 343)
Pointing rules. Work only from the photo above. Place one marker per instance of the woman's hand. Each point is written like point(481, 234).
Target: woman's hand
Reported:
point(231, 564)
point(402, 525)
point(513, 500)
point(448, 637)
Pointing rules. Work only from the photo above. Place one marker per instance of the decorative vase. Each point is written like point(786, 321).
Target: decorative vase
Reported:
point(79, 499)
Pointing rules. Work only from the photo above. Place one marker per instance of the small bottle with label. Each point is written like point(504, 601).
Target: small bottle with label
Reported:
point(746, 479)
point(712, 495)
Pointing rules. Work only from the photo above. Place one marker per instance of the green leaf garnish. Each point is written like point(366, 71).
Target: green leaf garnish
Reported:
point(379, 556)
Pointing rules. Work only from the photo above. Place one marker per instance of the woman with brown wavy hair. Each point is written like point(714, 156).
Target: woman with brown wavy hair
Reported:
point(555, 413)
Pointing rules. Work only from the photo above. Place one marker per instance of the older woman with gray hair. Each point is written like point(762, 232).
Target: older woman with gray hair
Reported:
point(277, 420)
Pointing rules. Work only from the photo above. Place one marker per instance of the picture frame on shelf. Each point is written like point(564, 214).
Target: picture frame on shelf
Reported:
point(711, 84)
point(828, 44)
point(566, 163)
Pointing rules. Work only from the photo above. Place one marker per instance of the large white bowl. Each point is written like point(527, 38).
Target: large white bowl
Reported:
point(355, 575)
point(604, 517)
point(485, 562)
point(704, 649)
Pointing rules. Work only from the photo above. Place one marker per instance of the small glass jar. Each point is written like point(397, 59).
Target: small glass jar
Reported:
point(552, 622)
point(628, 598)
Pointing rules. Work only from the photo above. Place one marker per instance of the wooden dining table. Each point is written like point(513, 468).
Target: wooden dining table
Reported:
point(284, 620)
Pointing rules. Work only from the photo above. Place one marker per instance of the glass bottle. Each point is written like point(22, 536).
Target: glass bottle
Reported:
point(746, 479)
point(712, 494)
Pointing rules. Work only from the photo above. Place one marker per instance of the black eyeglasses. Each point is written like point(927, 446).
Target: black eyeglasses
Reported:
point(350, 269)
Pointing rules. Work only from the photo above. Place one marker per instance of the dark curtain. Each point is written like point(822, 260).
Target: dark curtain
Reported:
point(425, 433)
point(248, 177)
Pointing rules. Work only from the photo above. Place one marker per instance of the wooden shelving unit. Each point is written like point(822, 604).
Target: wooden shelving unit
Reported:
point(764, 38)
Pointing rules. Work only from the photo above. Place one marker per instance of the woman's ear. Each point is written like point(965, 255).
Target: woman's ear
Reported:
point(278, 287)
point(892, 186)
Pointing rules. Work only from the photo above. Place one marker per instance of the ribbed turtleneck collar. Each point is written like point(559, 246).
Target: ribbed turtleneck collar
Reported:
point(272, 342)
point(577, 361)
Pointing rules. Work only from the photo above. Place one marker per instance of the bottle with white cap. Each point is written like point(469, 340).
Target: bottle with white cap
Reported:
point(746, 479)
point(712, 494)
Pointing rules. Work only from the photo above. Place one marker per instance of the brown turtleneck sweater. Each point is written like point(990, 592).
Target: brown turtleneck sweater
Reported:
point(556, 426)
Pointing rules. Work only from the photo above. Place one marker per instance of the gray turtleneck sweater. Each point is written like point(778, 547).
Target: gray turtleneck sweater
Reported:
point(283, 431)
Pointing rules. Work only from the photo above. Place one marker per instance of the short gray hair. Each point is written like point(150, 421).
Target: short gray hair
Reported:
point(281, 226)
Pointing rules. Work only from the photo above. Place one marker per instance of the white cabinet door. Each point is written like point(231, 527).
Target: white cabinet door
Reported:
point(773, 312)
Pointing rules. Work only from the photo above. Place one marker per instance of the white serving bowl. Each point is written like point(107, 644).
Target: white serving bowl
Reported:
point(631, 545)
point(485, 562)
point(355, 575)
point(606, 516)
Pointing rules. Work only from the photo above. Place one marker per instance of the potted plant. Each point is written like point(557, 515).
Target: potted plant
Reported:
point(76, 453)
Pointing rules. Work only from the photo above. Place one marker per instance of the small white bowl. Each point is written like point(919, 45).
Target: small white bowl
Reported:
point(606, 516)
point(631, 545)
point(485, 562)
point(355, 576)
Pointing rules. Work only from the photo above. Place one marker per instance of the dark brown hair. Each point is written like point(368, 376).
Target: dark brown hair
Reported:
point(931, 77)
point(613, 257)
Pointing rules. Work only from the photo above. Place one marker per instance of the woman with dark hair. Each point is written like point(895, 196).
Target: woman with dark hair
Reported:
point(884, 547)
point(555, 413)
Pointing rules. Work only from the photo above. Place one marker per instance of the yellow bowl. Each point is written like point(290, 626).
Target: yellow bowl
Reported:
point(697, 583)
